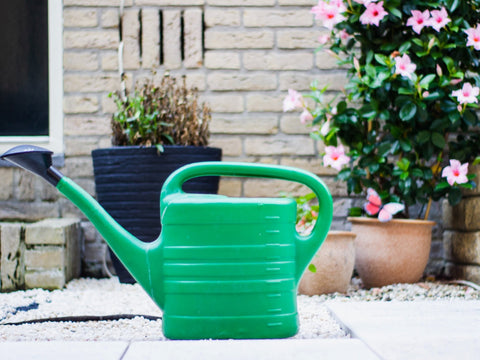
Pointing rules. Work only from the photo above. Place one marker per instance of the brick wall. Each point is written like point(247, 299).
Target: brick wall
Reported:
point(243, 55)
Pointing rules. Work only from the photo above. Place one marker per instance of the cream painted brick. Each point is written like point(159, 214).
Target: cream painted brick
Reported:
point(80, 104)
point(225, 103)
point(309, 3)
point(108, 105)
point(193, 25)
point(92, 3)
point(290, 124)
point(49, 231)
point(109, 61)
point(273, 188)
point(297, 39)
point(6, 179)
point(80, 18)
point(110, 18)
point(90, 83)
point(221, 39)
point(261, 60)
point(87, 125)
point(279, 145)
point(262, 102)
point(44, 257)
point(240, 2)
point(169, 2)
point(222, 60)
point(150, 38)
point(230, 187)
point(196, 80)
point(230, 145)
point(78, 167)
point(46, 279)
point(11, 256)
point(279, 18)
point(301, 81)
point(253, 124)
point(241, 82)
point(131, 41)
point(25, 189)
point(172, 57)
point(325, 60)
point(80, 146)
point(83, 39)
point(222, 17)
point(80, 61)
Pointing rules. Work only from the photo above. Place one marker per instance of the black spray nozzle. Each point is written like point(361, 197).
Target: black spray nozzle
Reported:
point(35, 159)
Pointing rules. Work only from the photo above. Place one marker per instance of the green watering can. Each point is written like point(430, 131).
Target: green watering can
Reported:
point(222, 267)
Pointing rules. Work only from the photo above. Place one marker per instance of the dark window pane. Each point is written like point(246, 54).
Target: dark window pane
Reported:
point(24, 67)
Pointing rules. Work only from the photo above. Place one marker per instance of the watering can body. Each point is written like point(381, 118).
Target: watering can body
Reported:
point(222, 267)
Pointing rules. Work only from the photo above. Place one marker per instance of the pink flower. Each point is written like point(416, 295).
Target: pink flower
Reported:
point(324, 130)
point(473, 37)
point(335, 157)
point(305, 116)
point(323, 39)
point(418, 20)
point(467, 94)
point(373, 13)
point(404, 66)
point(456, 173)
point(439, 19)
point(293, 100)
point(364, 2)
point(330, 14)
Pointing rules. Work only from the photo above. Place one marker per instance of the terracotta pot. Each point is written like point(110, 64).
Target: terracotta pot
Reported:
point(334, 262)
point(393, 252)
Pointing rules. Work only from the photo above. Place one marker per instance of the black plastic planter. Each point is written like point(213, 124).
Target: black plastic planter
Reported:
point(128, 182)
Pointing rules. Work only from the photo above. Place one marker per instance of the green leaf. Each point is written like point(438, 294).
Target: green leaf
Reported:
point(442, 185)
point(423, 137)
point(403, 164)
point(425, 82)
point(408, 111)
point(312, 268)
point(438, 140)
point(381, 59)
point(454, 196)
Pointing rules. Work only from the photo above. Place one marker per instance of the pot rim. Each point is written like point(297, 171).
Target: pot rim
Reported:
point(363, 219)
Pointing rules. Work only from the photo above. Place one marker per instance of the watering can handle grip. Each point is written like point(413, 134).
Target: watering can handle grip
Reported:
point(306, 246)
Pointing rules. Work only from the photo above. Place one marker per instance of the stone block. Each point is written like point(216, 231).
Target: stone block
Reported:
point(279, 145)
point(97, 39)
point(150, 38)
point(110, 18)
point(297, 39)
point(12, 245)
point(25, 189)
point(81, 166)
point(240, 2)
point(462, 247)
point(476, 191)
point(277, 18)
point(44, 257)
point(51, 231)
point(222, 60)
point(463, 216)
point(6, 179)
point(172, 56)
point(87, 126)
point(463, 272)
point(223, 39)
point(193, 25)
point(233, 81)
point(230, 145)
point(225, 103)
point(80, 17)
point(28, 211)
point(222, 17)
point(109, 60)
point(290, 124)
point(90, 83)
point(301, 81)
point(254, 60)
point(46, 279)
point(80, 61)
point(131, 41)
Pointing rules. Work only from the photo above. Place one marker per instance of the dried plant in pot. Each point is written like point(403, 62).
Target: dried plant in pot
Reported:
point(156, 129)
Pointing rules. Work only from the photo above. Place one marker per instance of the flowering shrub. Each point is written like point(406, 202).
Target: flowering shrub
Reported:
point(410, 103)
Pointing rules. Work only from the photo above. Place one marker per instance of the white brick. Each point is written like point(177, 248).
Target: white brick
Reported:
point(80, 18)
point(131, 41)
point(222, 60)
point(241, 82)
point(45, 257)
point(279, 145)
point(297, 39)
point(277, 18)
point(222, 17)
point(254, 124)
point(225, 103)
point(193, 38)
point(259, 60)
point(221, 39)
point(49, 231)
point(82, 39)
point(80, 104)
point(11, 259)
point(45, 279)
point(80, 61)
point(262, 102)
point(172, 57)
point(240, 2)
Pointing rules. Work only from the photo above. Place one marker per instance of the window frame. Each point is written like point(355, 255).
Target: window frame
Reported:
point(54, 141)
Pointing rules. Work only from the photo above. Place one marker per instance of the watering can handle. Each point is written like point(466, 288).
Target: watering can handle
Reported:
point(306, 246)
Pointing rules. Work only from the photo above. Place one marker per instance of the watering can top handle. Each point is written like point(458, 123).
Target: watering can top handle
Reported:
point(306, 245)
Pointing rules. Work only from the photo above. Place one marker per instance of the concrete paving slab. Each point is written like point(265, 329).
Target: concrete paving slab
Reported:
point(61, 350)
point(414, 330)
point(325, 349)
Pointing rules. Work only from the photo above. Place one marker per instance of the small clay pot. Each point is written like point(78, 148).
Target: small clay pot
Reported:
point(334, 263)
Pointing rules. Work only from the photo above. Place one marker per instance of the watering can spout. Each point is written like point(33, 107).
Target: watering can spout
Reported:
point(132, 252)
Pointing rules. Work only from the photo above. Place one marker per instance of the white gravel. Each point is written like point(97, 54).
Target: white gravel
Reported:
point(108, 297)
